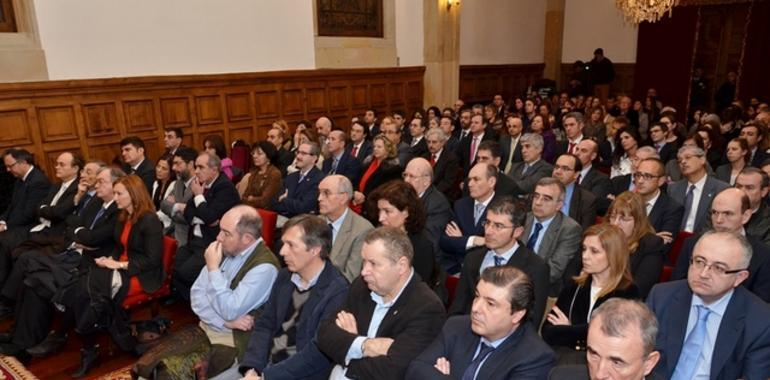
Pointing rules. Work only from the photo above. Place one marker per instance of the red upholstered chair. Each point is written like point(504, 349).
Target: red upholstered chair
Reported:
point(242, 160)
point(137, 296)
point(676, 246)
point(665, 275)
point(269, 219)
point(451, 286)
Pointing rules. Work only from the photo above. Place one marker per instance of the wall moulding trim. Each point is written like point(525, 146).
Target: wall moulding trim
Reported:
point(479, 83)
point(93, 115)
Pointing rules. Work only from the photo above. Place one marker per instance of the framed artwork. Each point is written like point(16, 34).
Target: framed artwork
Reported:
point(349, 18)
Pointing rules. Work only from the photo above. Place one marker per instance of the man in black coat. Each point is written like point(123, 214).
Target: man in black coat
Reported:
point(664, 213)
point(29, 189)
point(339, 161)
point(389, 317)
point(590, 178)
point(503, 228)
point(469, 146)
point(284, 158)
point(438, 211)
point(446, 165)
point(579, 203)
point(489, 153)
point(135, 161)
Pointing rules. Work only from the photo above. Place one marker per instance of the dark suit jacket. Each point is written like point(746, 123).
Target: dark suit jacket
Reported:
point(599, 184)
point(666, 214)
point(386, 172)
point(100, 236)
point(348, 166)
point(759, 224)
point(758, 281)
point(419, 150)
point(308, 363)
point(525, 183)
point(605, 153)
point(445, 173)
point(413, 321)
point(759, 157)
point(438, 213)
point(283, 160)
point(582, 207)
point(145, 171)
point(646, 263)
point(64, 207)
point(621, 184)
point(145, 250)
point(742, 347)
point(26, 199)
point(523, 259)
point(453, 248)
point(523, 355)
point(465, 149)
point(302, 197)
point(505, 150)
point(668, 152)
point(712, 187)
point(574, 302)
point(363, 152)
point(220, 197)
point(723, 173)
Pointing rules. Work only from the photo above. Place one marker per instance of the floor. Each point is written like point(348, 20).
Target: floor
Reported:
point(60, 366)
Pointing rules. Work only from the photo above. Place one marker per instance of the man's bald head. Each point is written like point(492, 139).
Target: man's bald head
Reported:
point(419, 174)
point(323, 126)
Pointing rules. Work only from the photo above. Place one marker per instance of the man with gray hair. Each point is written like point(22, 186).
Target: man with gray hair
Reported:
point(348, 228)
point(696, 189)
point(533, 167)
point(711, 327)
point(444, 163)
point(212, 195)
point(389, 316)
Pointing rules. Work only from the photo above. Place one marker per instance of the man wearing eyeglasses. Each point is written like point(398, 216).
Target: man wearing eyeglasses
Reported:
point(502, 230)
point(579, 203)
point(300, 189)
point(30, 188)
point(710, 327)
point(730, 212)
point(664, 213)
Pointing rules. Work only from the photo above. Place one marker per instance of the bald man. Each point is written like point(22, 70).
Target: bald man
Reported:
point(419, 173)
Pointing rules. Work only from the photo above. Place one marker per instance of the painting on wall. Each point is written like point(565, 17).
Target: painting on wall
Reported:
point(349, 18)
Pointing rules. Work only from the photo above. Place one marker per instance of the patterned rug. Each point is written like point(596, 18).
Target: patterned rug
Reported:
point(120, 374)
point(10, 368)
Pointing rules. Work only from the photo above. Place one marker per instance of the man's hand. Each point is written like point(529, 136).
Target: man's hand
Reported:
point(213, 256)
point(251, 375)
point(196, 187)
point(3, 227)
point(377, 347)
point(171, 198)
point(107, 262)
point(442, 365)
point(243, 323)
point(283, 196)
point(347, 322)
point(358, 198)
point(479, 241)
point(452, 230)
point(666, 236)
point(82, 188)
point(181, 207)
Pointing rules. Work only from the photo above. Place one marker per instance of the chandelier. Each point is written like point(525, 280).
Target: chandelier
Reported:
point(636, 11)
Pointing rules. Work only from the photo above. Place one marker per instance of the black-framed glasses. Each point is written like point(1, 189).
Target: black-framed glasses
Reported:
point(645, 176)
point(700, 263)
point(495, 226)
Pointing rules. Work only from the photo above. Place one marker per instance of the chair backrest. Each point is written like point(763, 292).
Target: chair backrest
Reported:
point(269, 219)
point(676, 247)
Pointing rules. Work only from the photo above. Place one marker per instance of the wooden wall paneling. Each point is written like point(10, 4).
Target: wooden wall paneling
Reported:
point(246, 134)
point(175, 112)
point(396, 95)
point(359, 96)
point(101, 119)
point(316, 99)
point(140, 116)
point(378, 95)
point(208, 110)
point(339, 96)
point(105, 152)
point(15, 127)
point(479, 83)
point(238, 106)
point(267, 102)
point(292, 100)
point(57, 123)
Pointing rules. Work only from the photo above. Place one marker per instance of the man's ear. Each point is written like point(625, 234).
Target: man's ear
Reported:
point(650, 362)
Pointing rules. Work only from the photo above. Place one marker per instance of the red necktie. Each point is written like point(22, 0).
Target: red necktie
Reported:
point(571, 147)
point(354, 152)
point(433, 159)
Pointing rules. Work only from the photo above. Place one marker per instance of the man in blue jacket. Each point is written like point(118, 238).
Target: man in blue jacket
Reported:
point(306, 292)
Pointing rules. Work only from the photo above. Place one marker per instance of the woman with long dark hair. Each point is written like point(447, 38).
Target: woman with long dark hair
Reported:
point(264, 181)
point(163, 186)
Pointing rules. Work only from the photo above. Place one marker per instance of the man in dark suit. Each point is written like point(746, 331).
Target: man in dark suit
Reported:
point(463, 129)
point(753, 134)
point(495, 342)
point(360, 146)
point(320, 288)
point(696, 190)
point(388, 317)
point(135, 162)
point(285, 158)
point(553, 236)
point(527, 172)
point(590, 178)
point(446, 165)
point(212, 195)
point(418, 147)
point(510, 148)
point(709, 326)
point(339, 161)
point(29, 189)
point(466, 229)
point(52, 213)
point(438, 212)
point(300, 189)
point(87, 236)
point(447, 125)
point(625, 182)
point(573, 129)
point(579, 203)
point(489, 153)
point(173, 206)
point(172, 139)
point(729, 213)
point(658, 135)
point(470, 145)
point(503, 228)
point(664, 213)
point(756, 184)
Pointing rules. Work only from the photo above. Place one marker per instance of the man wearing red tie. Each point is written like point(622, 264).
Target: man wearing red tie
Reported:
point(573, 128)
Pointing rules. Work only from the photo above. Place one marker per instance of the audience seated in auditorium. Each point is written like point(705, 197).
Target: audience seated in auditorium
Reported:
point(212, 195)
point(299, 194)
point(495, 341)
point(445, 164)
point(389, 316)
point(730, 211)
point(466, 229)
point(502, 247)
point(709, 325)
point(339, 161)
point(348, 228)
point(30, 187)
point(264, 181)
point(135, 161)
point(579, 203)
point(438, 211)
point(549, 233)
point(604, 275)
point(696, 190)
point(173, 205)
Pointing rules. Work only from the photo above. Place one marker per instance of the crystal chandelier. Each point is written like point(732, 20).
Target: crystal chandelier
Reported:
point(636, 11)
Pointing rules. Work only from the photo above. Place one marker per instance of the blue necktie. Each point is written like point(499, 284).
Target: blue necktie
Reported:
point(96, 219)
point(470, 372)
point(84, 202)
point(692, 348)
point(478, 209)
point(334, 165)
point(499, 260)
point(533, 238)
point(688, 200)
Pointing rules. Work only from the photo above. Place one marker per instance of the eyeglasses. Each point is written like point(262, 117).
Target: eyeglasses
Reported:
point(11, 165)
point(563, 168)
point(328, 193)
point(495, 226)
point(412, 176)
point(304, 153)
point(700, 263)
point(645, 176)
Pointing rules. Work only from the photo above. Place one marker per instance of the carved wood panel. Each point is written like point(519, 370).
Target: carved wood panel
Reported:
point(480, 83)
point(92, 116)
